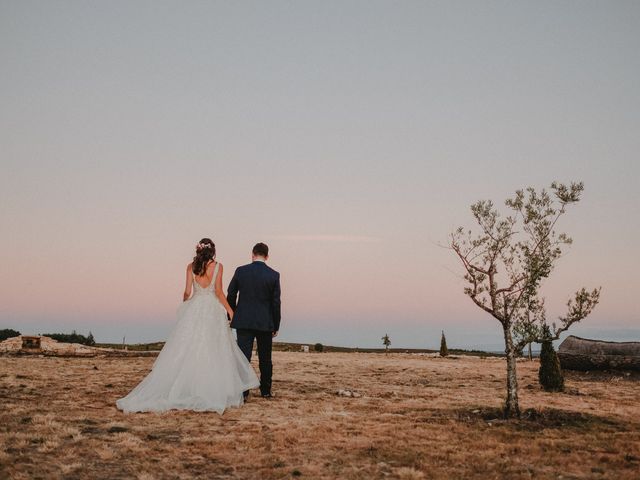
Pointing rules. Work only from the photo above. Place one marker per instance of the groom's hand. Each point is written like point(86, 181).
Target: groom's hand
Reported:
point(274, 334)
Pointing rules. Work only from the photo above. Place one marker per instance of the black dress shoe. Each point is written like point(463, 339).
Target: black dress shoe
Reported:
point(245, 395)
point(266, 395)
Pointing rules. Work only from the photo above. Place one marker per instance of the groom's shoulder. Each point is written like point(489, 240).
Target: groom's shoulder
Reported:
point(272, 271)
point(243, 268)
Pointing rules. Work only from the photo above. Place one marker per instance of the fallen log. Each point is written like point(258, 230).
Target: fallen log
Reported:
point(577, 353)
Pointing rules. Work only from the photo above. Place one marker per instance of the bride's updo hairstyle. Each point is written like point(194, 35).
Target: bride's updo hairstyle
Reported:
point(205, 252)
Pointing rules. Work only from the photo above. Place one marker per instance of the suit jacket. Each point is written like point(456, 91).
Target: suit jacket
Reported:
point(258, 307)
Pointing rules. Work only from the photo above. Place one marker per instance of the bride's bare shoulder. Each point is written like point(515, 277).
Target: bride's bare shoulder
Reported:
point(210, 266)
point(190, 267)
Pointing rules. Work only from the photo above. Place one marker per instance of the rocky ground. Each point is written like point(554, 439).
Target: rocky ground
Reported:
point(50, 347)
point(335, 415)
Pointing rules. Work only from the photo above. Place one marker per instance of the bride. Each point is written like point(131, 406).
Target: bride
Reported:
point(200, 366)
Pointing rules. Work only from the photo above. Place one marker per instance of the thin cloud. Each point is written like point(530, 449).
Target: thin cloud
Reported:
point(329, 238)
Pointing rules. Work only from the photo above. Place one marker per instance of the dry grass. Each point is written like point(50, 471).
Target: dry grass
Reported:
point(418, 417)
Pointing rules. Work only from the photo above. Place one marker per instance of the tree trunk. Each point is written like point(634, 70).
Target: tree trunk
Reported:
point(511, 407)
point(577, 353)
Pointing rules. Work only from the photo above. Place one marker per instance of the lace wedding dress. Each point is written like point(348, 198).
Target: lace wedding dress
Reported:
point(200, 366)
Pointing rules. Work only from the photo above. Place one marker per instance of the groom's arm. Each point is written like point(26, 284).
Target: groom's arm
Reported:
point(232, 291)
point(275, 304)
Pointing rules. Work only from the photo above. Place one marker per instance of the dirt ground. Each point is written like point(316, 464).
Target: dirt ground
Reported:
point(412, 417)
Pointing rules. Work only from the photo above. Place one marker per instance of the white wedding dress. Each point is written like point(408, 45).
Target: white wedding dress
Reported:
point(200, 366)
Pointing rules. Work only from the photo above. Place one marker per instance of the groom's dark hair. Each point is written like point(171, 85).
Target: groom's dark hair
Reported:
point(261, 250)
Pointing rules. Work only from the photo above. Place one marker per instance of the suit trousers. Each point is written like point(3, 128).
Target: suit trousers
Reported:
point(264, 342)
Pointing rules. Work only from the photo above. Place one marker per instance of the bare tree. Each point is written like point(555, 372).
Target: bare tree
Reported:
point(506, 262)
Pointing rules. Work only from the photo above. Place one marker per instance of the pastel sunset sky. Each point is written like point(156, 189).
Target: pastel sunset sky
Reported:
point(350, 136)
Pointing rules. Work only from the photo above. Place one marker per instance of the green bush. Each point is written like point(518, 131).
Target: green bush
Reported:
point(8, 333)
point(550, 374)
point(72, 338)
point(444, 351)
point(386, 341)
point(318, 347)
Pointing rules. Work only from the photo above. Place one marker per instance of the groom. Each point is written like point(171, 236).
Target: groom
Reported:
point(257, 312)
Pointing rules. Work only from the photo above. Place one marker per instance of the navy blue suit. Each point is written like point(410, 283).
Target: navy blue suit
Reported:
point(256, 313)
point(259, 305)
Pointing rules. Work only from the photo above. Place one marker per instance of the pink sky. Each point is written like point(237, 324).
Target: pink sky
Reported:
point(352, 140)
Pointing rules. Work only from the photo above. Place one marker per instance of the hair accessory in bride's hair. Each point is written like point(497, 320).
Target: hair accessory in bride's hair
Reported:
point(201, 246)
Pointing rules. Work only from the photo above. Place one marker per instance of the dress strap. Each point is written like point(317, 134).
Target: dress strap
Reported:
point(215, 273)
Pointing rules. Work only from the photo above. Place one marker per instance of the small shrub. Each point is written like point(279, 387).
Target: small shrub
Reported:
point(386, 341)
point(72, 337)
point(444, 351)
point(318, 347)
point(8, 333)
point(550, 374)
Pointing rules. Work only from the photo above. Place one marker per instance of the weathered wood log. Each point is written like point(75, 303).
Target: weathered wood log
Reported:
point(577, 353)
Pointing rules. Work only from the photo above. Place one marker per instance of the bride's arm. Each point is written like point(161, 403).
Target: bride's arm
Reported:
point(220, 293)
point(188, 285)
